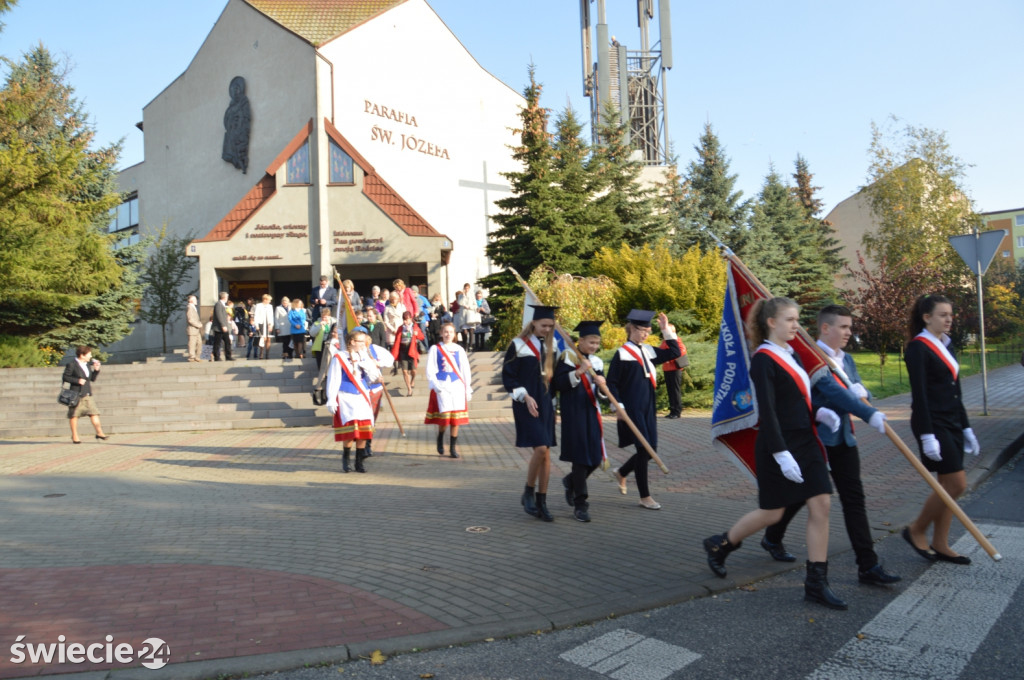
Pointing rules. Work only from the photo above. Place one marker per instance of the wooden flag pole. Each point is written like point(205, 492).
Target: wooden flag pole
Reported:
point(604, 389)
point(895, 438)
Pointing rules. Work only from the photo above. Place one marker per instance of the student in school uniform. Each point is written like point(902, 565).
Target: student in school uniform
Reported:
point(579, 402)
point(451, 388)
point(349, 377)
point(632, 380)
point(938, 420)
point(789, 458)
point(526, 373)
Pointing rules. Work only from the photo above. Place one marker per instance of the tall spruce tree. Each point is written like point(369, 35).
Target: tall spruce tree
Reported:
point(55, 194)
point(779, 225)
point(568, 243)
point(716, 207)
point(626, 210)
point(530, 209)
point(805, 192)
point(675, 195)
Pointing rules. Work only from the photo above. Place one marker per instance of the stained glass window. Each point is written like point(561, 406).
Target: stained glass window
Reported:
point(298, 165)
point(341, 165)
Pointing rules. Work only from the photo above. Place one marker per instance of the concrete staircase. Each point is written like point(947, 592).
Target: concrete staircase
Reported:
point(170, 394)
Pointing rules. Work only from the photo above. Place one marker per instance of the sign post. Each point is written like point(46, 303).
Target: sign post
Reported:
point(977, 251)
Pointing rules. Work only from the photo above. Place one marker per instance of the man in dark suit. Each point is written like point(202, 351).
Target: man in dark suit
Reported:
point(221, 328)
point(835, 326)
point(322, 296)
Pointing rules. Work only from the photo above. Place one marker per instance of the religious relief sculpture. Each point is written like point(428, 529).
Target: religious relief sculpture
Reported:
point(236, 126)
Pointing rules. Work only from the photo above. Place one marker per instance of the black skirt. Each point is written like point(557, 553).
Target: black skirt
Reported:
point(774, 490)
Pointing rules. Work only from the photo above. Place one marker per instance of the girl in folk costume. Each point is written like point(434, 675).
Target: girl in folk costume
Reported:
point(526, 373)
point(382, 359)
point(939, 422)
point(789, 458)
point(351, 374)
point(632, 381)
point(582, 427)
point(405, 350)
point(451, 388)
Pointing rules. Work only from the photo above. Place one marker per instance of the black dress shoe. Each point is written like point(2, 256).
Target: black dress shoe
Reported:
point(929, 554)
point(777, 551)
point(106, 436)
point(568, 492)
point(581, 515)
point(877, 576)
point(952, 559)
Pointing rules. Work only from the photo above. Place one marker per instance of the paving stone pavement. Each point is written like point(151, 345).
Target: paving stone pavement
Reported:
point(250, 550)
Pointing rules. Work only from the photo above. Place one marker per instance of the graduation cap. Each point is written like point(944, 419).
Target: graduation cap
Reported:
point(588, 328)
point(640, 317)
point(543, 312)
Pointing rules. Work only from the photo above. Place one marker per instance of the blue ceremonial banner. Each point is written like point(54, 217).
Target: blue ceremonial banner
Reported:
point(734, 414)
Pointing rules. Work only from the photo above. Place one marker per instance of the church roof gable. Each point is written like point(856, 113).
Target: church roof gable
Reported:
point(318, 21)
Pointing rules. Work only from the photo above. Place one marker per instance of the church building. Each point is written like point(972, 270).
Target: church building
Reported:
point(315, 135)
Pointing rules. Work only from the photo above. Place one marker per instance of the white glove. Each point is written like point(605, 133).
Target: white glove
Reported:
point(332, 406)
point(790, 469)
point(597, 363)
point(930, 447)
point(859, 390)
point(828, 418)
point(971, 445)
point(877, 421)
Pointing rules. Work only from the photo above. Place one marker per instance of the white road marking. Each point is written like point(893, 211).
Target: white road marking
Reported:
point(625, 655)
point(937, 623)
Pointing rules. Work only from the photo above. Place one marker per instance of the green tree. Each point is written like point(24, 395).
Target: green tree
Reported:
point(785, 246)
point(55, 194)
point(716, 209)
point(627, 211)
point(675, 195)
point(166, 272)
point(915, 192)
point(530, 209)
point(806, 194)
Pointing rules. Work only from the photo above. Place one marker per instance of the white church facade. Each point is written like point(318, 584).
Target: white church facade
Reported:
point(307, 135)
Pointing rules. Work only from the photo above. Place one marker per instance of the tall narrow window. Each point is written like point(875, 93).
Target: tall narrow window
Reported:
point(341, 165)
point(298, 166)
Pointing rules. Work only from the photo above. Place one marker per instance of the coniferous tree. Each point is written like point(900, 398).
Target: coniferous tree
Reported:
point(786, 246)
point(627, 211)
point(531, 207)
point(675, 195)
point(167, 270)
point(55, 194)
point(716, 207)
point(805, 193)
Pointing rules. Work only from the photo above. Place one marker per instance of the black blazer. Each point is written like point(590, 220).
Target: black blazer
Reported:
point(934, 393)
point(72, 374)
point(331, 295)
point(784, 420)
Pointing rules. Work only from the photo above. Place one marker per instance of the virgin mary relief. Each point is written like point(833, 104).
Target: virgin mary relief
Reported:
point(237, 119)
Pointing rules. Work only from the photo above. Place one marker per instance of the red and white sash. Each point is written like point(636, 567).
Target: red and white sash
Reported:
point(352, 378)
point(783, 359)
point(585, 379)
point(940, 351)
point(648, 370)
point(455, 369)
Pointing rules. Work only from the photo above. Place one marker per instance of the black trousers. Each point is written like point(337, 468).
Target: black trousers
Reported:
point(674, 387)
point(845, 463)
point(577, 481)
point(219, 337)
point(637, 464)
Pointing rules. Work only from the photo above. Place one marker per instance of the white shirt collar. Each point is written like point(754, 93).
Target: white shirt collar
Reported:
point(836, 354)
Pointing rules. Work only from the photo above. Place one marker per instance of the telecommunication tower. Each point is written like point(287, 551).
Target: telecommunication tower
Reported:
point(633, 80)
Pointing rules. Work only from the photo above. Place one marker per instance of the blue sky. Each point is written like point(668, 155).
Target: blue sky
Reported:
point(773, 78)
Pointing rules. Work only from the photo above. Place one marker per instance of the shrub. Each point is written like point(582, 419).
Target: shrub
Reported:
point(22, 352)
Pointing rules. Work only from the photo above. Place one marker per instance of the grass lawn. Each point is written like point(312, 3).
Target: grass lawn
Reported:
point(893, 377)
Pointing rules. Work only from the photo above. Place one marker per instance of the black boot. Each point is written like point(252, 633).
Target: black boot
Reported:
point(718, 548)
point(367, 452)
point(570, 497)
point(360, 455)
point(440, 443)
point(529, 504)
point(344, 459)
point(542, 508)
point(816, 588)
point(451, 448)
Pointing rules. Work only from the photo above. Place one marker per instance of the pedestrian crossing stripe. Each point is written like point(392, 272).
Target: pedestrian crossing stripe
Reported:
point(625, 655)
point(934, 627)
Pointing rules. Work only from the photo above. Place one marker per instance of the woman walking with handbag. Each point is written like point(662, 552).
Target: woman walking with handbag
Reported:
point(80, 373)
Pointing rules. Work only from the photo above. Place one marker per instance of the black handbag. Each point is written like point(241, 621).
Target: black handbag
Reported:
point(488, 320)
point(69, 398)
point(319, 395)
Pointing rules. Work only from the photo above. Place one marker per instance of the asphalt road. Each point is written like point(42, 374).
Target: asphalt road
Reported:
point(943, 621)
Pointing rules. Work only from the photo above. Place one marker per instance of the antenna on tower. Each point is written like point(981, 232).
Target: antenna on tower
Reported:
point(633, 80)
